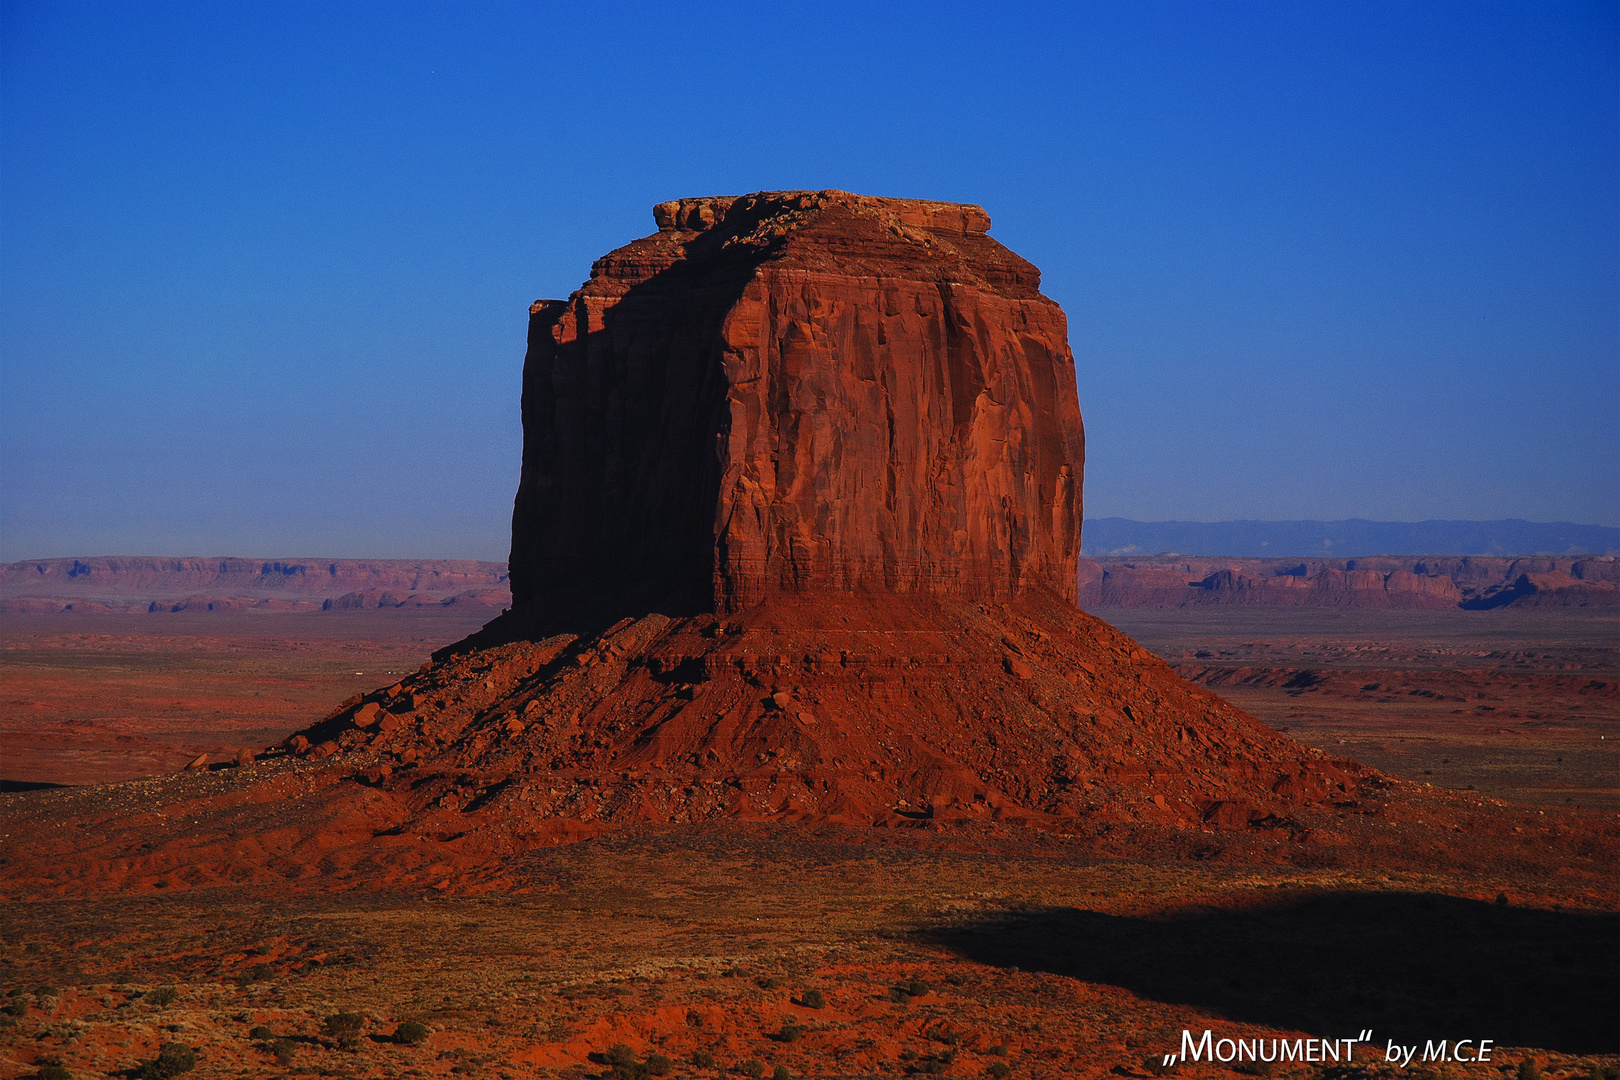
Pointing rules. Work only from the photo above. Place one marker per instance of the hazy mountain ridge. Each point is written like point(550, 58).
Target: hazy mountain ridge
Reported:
point(1352, 538)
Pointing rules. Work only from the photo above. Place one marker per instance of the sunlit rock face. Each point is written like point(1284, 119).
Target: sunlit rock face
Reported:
point(800, 391)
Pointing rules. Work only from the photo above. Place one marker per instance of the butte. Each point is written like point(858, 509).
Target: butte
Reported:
point(796, 541)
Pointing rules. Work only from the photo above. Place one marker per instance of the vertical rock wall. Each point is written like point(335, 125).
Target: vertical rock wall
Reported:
point(800, 391)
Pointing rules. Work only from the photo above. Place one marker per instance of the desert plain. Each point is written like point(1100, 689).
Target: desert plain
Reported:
point(1040, 953)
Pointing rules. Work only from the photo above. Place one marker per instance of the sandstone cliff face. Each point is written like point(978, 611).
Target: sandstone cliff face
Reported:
point(801, 391)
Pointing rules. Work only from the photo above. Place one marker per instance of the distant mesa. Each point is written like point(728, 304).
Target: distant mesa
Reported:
point(168, 585)
point(1470, 582)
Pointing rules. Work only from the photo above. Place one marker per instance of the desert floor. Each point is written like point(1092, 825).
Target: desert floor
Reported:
point(1009, 954)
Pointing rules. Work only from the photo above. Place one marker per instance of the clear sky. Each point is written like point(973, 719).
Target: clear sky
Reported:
point(265, 267)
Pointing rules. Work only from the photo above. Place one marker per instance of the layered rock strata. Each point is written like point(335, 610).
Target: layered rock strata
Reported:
point(795, 391)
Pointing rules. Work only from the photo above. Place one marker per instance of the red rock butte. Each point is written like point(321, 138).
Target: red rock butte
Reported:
point(796, 541)
point(799, 391)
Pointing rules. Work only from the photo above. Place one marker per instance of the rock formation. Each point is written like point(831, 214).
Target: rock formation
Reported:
point(800, 391)
point(796, 539)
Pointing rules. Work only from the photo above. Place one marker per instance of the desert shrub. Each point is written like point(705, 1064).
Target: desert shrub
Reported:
point(752, 1067)
point(345, 1027)
point(702, 1059)
point(998, 1069)
point(45, 992)
point(916, 988)
point(622, 1059)
point(260, 1033)
point(163, 995)
point(1528, 1069)
point(1248, 1068)
point(54, 1072)
point(257, 973)
point(558, 1030)
point(781, 1073)
point(998, 1050)
point(791, 1030)
point(1157, 1066)
point(284, 1050)
point(172, 1060)
point(17, 1006)
point(908, 1054)
point(769, 984)
point(899, 996)
point(411, 1033)
point(814, 999)
point(733, 973)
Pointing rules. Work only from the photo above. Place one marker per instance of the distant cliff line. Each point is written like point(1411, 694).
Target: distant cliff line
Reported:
point(165, 586)
point(1471, 582)
point(117, 583)
point(1353, 538)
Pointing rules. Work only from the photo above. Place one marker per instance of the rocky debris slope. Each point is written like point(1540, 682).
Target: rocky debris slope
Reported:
point(1469, 581)
point(826, 709)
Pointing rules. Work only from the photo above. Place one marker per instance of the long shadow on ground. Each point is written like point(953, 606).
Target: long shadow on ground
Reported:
point(1412, 967)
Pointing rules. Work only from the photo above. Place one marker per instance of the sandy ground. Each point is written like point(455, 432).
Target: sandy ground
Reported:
point(699, 948)
point(103, 698)
point(1519, 705)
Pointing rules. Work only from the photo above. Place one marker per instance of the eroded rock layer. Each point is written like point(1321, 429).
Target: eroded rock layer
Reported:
point(800, 390)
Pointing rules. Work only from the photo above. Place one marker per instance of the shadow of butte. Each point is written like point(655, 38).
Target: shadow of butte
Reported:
point(1412, 967)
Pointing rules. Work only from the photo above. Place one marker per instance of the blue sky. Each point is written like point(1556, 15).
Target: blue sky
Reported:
point(265, 267)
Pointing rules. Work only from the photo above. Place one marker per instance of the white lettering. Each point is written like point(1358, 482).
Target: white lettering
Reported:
point(1261, 1043)
point(1432, 1052)
point(1193, 1052)
point(1246, 1046)
point(1457, 1050)
point(1484, 1050)
point(1293, 1051)
point(1230, 1054)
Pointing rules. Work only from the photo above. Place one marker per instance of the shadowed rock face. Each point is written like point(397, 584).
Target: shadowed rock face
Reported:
point(794, 391)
